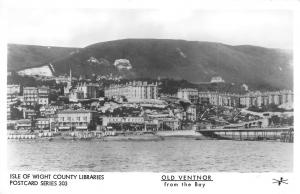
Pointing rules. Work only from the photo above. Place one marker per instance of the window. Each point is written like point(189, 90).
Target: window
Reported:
point(69, 118)
point(85, 118)
point(78, 118)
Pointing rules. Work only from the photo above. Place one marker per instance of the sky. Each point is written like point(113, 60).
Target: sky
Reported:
point(82, 27)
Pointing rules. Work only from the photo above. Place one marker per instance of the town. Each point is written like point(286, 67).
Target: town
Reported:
point(110, 106)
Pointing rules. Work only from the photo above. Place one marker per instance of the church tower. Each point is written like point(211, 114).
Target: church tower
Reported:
point(70, 78)
point(69, 84)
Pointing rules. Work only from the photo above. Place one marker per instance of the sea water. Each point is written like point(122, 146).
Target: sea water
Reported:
point(169, 155)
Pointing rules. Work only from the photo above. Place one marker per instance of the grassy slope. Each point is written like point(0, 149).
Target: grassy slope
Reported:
point(200, 61)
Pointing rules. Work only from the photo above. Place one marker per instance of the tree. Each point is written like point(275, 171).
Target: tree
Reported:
point(16, 114)
point(185, 105)
point(275, 119)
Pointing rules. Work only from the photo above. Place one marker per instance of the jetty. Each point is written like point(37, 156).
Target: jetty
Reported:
point(284, 134)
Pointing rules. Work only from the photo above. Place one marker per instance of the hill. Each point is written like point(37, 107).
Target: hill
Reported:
point(25, 56)
point(194, 61)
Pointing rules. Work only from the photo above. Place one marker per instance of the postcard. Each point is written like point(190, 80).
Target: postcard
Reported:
point(170, 97)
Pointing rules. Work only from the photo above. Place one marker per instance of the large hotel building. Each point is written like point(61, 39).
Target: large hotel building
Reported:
point(133, 91)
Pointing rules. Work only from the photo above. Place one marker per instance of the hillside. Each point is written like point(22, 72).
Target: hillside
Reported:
point(191, 60)
point(24, 56)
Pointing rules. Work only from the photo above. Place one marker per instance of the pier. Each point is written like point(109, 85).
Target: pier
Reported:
point(284, 134)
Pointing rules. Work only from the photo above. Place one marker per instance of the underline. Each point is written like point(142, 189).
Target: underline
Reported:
point(184, 180)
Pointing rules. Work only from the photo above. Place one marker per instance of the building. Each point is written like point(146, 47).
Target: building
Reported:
point(30, 95)
point(76, 119)
point(180, 114)
point(266, 98)
point(191, 113)
point(89, 90)
point(249, 99)
point(92, 91)
point(36, 95)
point(11, 124)
point(82, 88)
point(49, 111)
point(43, 95)
point(204, 98)
point(133, 91)
point(13, 89)
point(132, 120)
point(209, 98)
point(11, 97)
point(81, 91)
point(164, 122)
point(42, 123)
point(189, 94)
point(217, 79)
point(29, 114)
point(63, 79)
point(168, 123)
point(76, 95)
point(8, 112)
point(24, 124)
point(150, 122)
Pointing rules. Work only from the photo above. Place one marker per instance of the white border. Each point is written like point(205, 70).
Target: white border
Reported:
point(149, 182)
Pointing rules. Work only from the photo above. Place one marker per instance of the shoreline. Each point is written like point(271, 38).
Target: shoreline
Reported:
point(132, 136)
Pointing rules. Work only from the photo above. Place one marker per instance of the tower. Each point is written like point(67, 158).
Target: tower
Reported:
point(69, 84)
point(70, 75)
point(70, 78)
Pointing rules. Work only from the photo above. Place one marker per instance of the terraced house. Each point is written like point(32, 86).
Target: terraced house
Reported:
point(236, 100)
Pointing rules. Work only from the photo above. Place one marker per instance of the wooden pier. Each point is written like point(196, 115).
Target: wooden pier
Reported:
point(283, 134)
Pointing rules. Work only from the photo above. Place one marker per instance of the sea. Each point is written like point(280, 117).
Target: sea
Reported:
point(169, 155)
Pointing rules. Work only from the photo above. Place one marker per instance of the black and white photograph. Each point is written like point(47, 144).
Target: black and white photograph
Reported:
point(150, 90)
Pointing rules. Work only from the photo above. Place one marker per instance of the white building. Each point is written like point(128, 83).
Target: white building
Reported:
point(191, 113)
point(108, 120)
point(49, 111)
point(75, 119)
point(43, 123)
point(217, 79)
point(13, 89)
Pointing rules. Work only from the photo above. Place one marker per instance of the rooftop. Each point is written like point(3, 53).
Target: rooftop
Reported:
point(76, 111)
point(134, 83)
point(188, 90)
